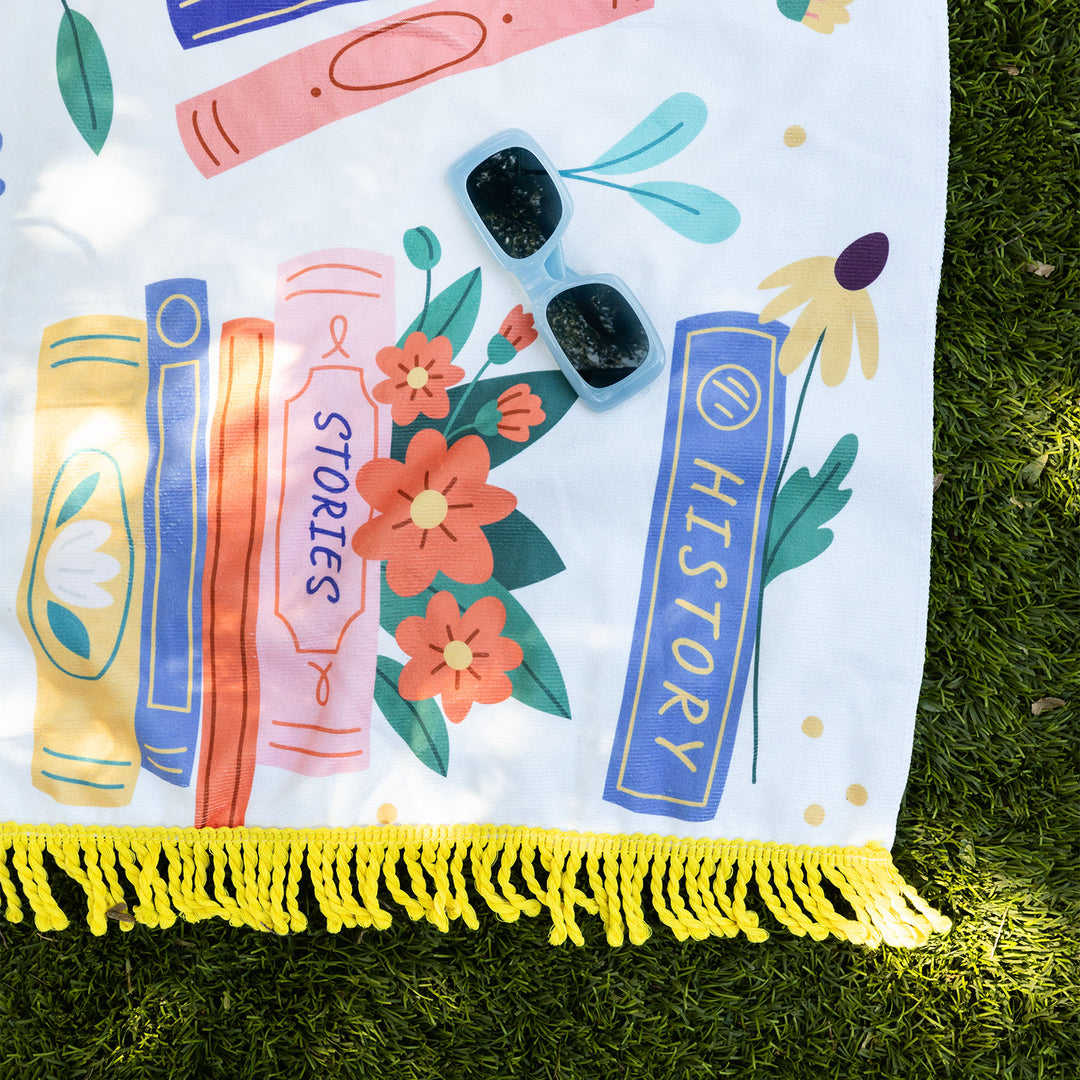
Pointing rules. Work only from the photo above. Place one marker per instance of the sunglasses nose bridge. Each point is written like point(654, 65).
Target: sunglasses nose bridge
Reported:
point(539, 273)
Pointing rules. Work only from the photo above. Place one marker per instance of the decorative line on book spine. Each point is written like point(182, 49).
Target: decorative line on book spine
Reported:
point(80, 598)
point(170, 686)
point(252, 877)
point(230, 595)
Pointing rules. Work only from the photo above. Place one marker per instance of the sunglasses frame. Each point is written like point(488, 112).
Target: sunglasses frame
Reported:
point(544, 275)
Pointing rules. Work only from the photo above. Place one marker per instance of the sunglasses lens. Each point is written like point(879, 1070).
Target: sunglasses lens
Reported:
point(599, 331)
point(516, 199)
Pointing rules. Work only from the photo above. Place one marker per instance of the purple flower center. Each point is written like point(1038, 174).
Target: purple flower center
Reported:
point(862, 261)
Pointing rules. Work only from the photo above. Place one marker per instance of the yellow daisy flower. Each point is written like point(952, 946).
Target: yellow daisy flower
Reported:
point(838, 307)
point(820, 15)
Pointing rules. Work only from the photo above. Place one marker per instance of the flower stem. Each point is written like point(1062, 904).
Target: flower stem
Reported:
point(765, 549)
point(427, 300)
point(449, 429)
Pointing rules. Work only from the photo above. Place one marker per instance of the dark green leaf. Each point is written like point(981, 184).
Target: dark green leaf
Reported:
point(523, 554)
point(537, 682)
point(82, 72)
point(419, 723)
point(555, 393)
point(452, 314)
point(669, 128)
point(692, 211)
point(69, 629)
point(76, 499)
point(795, 534)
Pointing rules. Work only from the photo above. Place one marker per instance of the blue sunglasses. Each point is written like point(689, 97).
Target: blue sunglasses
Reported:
point(594, 326)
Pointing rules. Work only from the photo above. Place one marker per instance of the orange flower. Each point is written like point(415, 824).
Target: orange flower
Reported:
point(519, 410)
point(419, 375)
point(461, 657)
point(518, 328)
point(429, 512)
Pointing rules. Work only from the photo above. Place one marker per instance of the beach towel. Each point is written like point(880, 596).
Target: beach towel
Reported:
point(467, 458)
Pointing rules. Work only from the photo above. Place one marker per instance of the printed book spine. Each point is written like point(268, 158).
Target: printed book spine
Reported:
point(80, 599)
point(170, 688)
point(319, 611)
point(236, 508)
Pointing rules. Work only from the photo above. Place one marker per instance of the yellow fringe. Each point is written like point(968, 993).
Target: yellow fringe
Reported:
point(252, 877)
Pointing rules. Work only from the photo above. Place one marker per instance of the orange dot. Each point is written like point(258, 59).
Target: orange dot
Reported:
point(814, 814)
point(794, 136)
point(856, 794)
point(508, 18)
point(813, 727)
point(386, 814)
point(315, 92)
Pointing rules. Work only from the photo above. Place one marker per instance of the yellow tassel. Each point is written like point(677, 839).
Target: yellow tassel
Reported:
point(697, 888)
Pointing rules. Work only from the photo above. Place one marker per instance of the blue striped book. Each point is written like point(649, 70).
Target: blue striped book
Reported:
point(170, 681)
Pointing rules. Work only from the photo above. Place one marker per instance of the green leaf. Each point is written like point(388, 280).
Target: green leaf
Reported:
point(555, 393)
point(803, 505)
point(422, 248)
point(523, 554)
point(82, 72)
point(537, 681)
point(692, 211)
point(487, 419)
point(419, 723)
point(69, 629)
point(669, 128)
point(452, 314)
point(77, 498)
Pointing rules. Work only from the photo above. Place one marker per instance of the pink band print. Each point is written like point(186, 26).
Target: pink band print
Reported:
point(299, 93)
point(319, 614)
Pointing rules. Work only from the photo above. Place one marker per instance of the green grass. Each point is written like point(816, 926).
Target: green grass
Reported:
point(988, 831)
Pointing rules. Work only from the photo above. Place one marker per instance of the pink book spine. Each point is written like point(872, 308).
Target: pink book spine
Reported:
point(299, 93)
point(319, 615)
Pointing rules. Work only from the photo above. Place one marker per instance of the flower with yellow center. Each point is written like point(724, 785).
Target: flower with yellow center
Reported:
point(838, 307)
point(461, 657)
point(419, 374)
point(820, 15)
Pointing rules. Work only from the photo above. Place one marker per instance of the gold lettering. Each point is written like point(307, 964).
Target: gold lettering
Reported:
point(713, 619)
point(680, 643)
point(693, 571)
point(718, 475)
point(680, 751)
point(685, 699)
point(723, 530)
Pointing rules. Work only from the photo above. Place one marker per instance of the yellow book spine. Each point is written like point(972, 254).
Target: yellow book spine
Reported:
point(80, 597)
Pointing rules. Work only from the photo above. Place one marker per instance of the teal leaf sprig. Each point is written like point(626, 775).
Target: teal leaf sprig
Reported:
point(690, 210)
point(82, 72)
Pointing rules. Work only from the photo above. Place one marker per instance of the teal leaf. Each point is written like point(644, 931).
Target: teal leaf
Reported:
point(523, 554)
point(796, 534)
point(82, 72)
point(69, 629)
point(422, 248)
point(452, 314)
point(487, 419)
point(76, 500)
point(419, 723)
point(669, 128)
point(692, 211)
point(555, 393)
point(537, 681)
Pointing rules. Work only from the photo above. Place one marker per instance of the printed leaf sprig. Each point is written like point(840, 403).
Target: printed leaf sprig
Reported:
point(838, 309)
point(453, 545)
point(82, 72)
point(692, 211)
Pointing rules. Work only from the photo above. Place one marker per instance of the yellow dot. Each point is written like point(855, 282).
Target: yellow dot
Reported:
point(857, 795)
point(417, 378)
point(813, 727)
point(457, 655)
point(794, 136)
point(814, 814)
point(386, 814)
point(428, 510)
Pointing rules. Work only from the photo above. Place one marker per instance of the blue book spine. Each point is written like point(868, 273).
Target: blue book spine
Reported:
point(697, 609)
point(214, 20)
point(170, 681)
